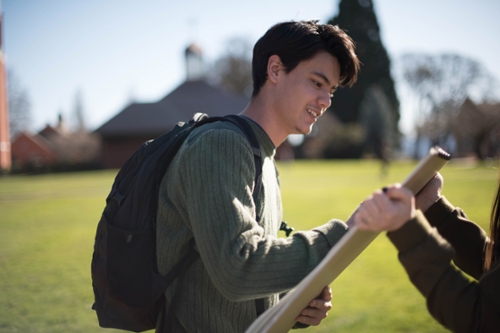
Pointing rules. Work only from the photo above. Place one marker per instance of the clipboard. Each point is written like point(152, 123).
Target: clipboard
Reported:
point(281, 317)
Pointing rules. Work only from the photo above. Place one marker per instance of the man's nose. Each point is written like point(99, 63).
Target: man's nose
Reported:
point(324, 100)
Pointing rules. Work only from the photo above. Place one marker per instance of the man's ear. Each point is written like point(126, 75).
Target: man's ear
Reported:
point(274, 66)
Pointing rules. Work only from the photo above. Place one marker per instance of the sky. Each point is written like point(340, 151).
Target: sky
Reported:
point(112, 52)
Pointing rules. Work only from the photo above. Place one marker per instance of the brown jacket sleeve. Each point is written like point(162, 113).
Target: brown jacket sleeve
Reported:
point(466, 237)
point(457, 302)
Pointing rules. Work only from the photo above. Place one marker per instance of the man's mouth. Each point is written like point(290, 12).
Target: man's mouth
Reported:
point(313, 113)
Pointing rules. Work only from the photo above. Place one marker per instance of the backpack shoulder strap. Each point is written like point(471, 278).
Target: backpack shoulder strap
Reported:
point(254, 143)
point(181, 267)
point(249, 133)
point(257, 154)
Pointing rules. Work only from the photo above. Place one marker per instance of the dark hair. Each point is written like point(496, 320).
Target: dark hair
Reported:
point(491, 251)
point(294, 42)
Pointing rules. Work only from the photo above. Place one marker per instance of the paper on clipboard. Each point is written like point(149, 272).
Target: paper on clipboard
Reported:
point(281, 317)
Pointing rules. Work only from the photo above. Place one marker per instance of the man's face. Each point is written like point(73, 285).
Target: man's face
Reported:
point(305, 92)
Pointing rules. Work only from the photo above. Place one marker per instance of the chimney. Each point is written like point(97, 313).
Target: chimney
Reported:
point(5, 153)
point(194, 63)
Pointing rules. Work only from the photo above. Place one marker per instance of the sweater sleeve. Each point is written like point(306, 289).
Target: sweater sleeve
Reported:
point(455, 301)
point(243, 261)
point(466, 237)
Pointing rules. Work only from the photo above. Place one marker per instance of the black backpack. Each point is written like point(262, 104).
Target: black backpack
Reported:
point(128, 289)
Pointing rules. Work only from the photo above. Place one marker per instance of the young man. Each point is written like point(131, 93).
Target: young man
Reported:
point(207, 191)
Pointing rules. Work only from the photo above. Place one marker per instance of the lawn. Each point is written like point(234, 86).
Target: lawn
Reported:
point(47, 226)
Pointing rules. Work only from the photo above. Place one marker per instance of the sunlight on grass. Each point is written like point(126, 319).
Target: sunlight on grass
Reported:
point(48, 222)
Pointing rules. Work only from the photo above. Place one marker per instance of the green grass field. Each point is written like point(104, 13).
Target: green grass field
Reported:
point(47, 226)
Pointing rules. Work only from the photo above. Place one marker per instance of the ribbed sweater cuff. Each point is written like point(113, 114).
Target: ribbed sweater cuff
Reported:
point(411, 233)
point(333, 231)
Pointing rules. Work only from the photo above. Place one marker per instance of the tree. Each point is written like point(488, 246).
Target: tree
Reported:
point(233, 70)
point(445, 78)
point(78, 112)
point(437, 85)
point(358, 18)
point(19, 105)
point(378, 124)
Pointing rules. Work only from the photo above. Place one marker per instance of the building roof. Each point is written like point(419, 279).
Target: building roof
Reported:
point(37, 141)
point(153, 119)
point(473, 118)
point(193, 48)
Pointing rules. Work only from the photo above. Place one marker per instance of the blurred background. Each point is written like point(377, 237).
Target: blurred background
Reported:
point(84, 83)
point(89, 81)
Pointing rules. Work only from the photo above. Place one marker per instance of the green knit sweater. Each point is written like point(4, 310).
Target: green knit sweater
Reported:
point(207, 193)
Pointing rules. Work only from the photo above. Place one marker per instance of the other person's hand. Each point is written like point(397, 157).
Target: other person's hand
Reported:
point(430, 193)
point(386, 210)
point(318, 309)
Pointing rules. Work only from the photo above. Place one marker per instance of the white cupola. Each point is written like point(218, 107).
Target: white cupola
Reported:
point(194, 63)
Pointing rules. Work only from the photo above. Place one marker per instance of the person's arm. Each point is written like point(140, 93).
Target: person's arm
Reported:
point(455, 301)
point(242, 260)
point(467, 238)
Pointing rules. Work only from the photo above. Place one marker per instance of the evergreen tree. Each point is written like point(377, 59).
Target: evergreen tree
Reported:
point(358, 18)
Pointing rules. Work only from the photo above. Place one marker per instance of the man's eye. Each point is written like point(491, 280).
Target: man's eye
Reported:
point(316, 83)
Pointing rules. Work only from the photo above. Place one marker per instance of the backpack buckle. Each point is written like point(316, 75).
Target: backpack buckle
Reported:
point(117, 196)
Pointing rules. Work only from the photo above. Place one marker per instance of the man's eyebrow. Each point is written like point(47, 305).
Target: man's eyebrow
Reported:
point(323, 76)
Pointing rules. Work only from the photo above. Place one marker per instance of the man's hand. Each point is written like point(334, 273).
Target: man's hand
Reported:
point(317, 310)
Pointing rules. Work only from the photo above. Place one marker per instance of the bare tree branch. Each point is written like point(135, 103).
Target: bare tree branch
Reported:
point(233, 70)
point(19, 105)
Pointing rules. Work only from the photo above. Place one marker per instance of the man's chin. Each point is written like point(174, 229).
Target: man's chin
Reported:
point(305, 130)
point(308, 131)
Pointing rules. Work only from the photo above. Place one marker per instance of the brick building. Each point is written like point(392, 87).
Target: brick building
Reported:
point(123, 134)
